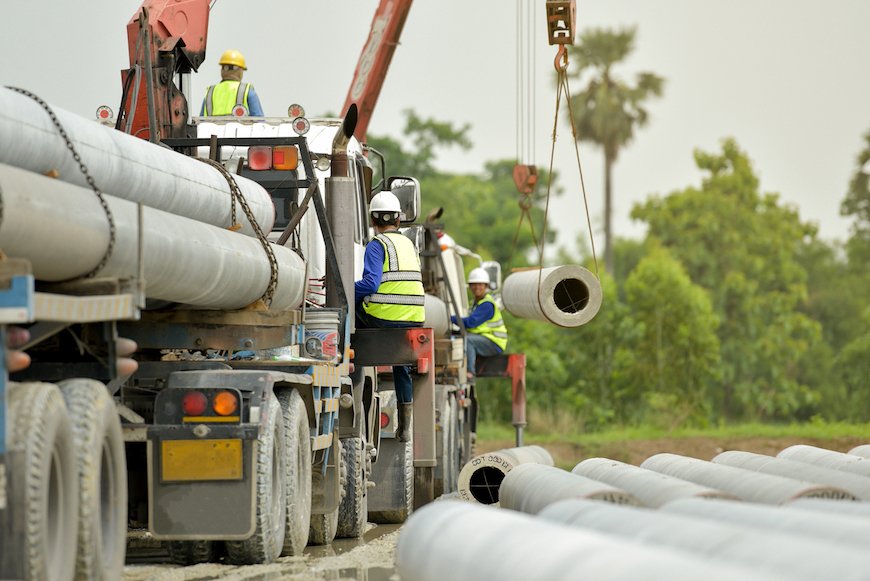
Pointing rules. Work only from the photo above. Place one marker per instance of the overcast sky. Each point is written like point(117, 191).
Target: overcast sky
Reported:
point(788, 79)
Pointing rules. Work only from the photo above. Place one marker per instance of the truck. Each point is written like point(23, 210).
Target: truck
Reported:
point(259, 419)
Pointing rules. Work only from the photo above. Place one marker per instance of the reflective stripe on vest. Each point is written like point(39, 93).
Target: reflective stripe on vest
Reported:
point(400, 294)
point(222, 98)
point(493, 329)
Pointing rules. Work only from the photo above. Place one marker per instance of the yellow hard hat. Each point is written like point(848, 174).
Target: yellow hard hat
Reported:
point(233, 57)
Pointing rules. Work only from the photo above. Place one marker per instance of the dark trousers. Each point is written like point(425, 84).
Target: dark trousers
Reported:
point(401, 373)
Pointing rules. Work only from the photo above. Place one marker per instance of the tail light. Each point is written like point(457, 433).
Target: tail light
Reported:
point(194, 403)
point(280, 157)
point(225, 403)
point(385, 420)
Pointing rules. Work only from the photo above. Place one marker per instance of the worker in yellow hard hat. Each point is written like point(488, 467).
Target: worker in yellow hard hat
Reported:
point(231, 96)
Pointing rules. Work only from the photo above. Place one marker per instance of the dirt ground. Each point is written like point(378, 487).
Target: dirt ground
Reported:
point(567, 455)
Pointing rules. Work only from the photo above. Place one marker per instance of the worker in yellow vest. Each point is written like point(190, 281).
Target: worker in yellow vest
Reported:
point(390, 292)
point(486, 332)
point(231, 96)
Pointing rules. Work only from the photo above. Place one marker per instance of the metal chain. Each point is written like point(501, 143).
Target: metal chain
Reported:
point(236, 194)
point(84, 169)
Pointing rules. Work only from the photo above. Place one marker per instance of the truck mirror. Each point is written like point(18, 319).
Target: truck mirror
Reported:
point(493, 268)
point(407, 189)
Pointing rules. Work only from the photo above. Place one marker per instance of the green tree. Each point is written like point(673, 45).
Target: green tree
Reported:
point(743, 247)
point(608, 110)
point(856, 204)
point(677, 352)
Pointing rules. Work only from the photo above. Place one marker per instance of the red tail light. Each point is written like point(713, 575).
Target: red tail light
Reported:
point(385, 420)
point(194, 403)
point(260, 157)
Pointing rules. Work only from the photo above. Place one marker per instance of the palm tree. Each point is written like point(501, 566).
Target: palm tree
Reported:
point(607, 110)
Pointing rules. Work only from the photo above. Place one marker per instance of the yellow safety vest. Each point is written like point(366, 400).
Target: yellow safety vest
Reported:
point(493, 329)
point(400, 294)
point(223, 97)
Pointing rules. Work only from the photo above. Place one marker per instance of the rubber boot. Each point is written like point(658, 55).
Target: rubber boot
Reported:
point(403, 430)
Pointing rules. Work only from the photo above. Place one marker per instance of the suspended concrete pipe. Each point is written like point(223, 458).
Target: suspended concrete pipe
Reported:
point(650, 488)
point(436, 316)
point(863, 450)
point(857, 486)
point(777, 553)
point(830, 528)
point(465, 542)
point(64, 232)
point(568, 296)
point(530, 488)
point(124, 166)
point(827, 459)
point(481, 478)
point(744, 484)
point(860, 510)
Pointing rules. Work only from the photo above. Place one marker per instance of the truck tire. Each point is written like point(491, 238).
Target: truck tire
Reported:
point(297, 464)
point(324, 527)
point(191, 552)
point(451, 469)
point(43, 485)
point(265, 545)
point(353, 510)
point(102, 477)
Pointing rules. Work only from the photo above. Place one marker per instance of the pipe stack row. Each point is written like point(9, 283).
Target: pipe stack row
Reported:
point(799, 515)
point(193, 253)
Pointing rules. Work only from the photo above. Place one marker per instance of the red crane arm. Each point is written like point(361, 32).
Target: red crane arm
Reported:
point(374, 61)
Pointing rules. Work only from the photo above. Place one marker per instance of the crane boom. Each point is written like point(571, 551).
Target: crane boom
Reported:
point(374, 61)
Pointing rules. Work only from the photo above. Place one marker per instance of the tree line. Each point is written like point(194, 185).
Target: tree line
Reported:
point(730, 309)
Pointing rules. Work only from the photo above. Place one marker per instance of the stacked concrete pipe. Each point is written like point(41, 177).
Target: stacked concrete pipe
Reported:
point(481, 478)
point(744, 484)
point(465, 542)
point(776, 553)
point(531, 487)
point(568, 296)
point(652, 489)
point(856, 464)
point(124, 166)
point(832, 528)
point(857, 486)
point(63, 231)
point(863, 450)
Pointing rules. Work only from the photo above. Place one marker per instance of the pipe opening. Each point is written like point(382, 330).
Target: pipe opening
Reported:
point(571, 295)
point(484, 484)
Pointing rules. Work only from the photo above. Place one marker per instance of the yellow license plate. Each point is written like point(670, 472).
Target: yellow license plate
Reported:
point(186, 460)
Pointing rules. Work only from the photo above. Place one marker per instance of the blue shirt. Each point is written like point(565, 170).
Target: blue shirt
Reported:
point(373, 270)
point(480, 313)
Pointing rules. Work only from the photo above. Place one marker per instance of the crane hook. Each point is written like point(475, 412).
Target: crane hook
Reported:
point(561, 60)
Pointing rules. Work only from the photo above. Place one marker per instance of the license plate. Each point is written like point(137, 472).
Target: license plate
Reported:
point(187, 460)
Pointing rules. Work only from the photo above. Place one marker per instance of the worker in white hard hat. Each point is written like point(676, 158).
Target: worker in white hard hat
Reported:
point(390, 292)
point(231, 96)
point(486, 332)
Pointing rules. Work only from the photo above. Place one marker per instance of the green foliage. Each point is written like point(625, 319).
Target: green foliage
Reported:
point(857, 205)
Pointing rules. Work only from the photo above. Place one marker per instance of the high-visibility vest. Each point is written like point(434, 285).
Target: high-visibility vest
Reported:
point(226, 95)
point(493, 329)
point(400, 294)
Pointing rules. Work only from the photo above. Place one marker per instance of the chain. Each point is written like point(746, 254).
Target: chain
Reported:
point(84, 169)
point(236, 195)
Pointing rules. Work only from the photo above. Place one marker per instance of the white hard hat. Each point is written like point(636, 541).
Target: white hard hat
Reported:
point(385, 201)
point(478, 275)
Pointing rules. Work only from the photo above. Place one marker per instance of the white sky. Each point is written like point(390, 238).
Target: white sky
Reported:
point(789, 79)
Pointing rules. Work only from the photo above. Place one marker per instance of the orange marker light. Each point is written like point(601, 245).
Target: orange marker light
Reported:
point(225, 403)
point(285, 157)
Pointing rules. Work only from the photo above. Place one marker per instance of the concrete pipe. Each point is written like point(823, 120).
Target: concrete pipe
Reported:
point(863, 450)
point(463, 542)
point(124, 166)
point(827, 459)
point(778, 553)
point(64, 232)
point(436, 316)
point(860, 510)
point(743, 484)
point(481, 479)
point(831, 528)
point(650, 488)
point(857, 486)
point(531, 487)
point(568, 296)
